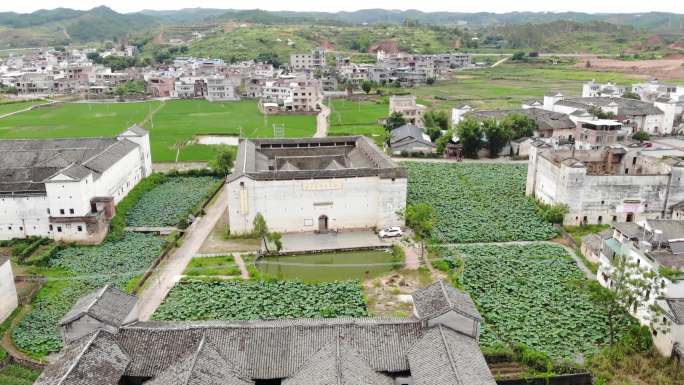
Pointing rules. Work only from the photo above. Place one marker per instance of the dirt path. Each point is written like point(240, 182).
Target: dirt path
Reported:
point(500, 62)
point(151, 114)
point(162, 281)
point(244, 273)
point(28, 109)
point(412, 261)
point(322, 122)
point(6, 341)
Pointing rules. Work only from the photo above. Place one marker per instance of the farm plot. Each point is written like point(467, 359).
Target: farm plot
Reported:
point(171, 201)
point(73, 272)
point(251, 300)
point(532, 294)
point(350, 117)
point(477, 202)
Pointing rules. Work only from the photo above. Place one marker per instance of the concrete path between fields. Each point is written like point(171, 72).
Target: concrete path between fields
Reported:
point(589, 274)
point(322, 122)
point(162, 281)
point(33, 107)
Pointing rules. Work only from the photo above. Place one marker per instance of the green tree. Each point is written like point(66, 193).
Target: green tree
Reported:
point(519, 56)
point(631, 95)
point(421, 219)
point(641, 136)
point(396, 119)
point(520, 125)
point(631, 287)
point(498, 135)
point(470, 134)
point(367, 86)
point(223, 162)
point(443, 140)
point(436, 119)
point(430, 81)
point(260, 229)
point(598, 112)
point(276, 238)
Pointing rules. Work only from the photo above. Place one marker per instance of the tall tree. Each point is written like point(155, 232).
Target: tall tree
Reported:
point(632, 287)
point(223, 162)
point(498, 135)
point(470, 134)
point(520, 125)
point(421, 219)
point(395, 120)
point(261, 229)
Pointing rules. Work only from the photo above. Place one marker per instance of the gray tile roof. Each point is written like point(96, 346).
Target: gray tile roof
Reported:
point(408, 133)
point(337, 364)
point(445, 357)
point(439, 298)
point(676, 306)
point(93, 359)
point(25, 165)
point(626, 107)
point(310, 158)
point(137, 130)
point(202, 366)
point(108, 305)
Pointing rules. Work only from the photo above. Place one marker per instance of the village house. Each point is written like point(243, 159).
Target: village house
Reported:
point(8, 292)
point(410, 139)
point(601, 90)
point(66, 189)
point(315, 60)
point(220, 89)
point(318, 184)
point(634, 115)
point(438, 344)
point(290, 95)
point(652, 245)
point(407, 106)
point(613, 184)
point(653, 89)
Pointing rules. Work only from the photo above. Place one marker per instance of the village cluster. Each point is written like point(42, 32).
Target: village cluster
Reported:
point(609, 158)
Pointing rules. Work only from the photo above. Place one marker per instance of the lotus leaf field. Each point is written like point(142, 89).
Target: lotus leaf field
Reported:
point(477, 202)
point(532, 294)
point(252, 300)
point(171, 201)
point(74, 271)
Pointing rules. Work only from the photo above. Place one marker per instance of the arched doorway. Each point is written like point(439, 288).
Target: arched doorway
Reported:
point(323, 224)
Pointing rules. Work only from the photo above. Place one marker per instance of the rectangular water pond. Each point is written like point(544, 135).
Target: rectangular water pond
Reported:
point(322, 267)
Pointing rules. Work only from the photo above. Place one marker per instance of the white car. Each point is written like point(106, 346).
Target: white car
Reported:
point(391, 232)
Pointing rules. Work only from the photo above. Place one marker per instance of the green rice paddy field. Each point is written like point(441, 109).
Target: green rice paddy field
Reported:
point(170, 122)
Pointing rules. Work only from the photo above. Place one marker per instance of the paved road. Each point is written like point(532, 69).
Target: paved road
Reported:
point(322, 122)
point(160, 282)
point(590, 275)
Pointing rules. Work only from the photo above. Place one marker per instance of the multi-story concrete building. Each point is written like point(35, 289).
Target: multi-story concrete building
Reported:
point(601, 90)
point(66, 189)
point(407, 106)
point(315, 185)
point(315, 60)
point(613, 184)
point(220, 89)
point(290, 95)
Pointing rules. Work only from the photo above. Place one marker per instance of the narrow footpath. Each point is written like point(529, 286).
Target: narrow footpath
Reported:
point(322, 122)
point(162, 281)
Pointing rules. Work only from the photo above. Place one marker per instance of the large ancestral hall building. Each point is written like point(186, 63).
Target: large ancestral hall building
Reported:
point(315, 185)
point(66, 189)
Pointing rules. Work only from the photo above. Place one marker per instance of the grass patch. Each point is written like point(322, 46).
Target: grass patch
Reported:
point(14, 374)
point(207, 266)
point(350, 117)
point(9, 107)
point(578, 232)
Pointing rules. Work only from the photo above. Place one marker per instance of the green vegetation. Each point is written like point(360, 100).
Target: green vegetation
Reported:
point(477, 202)
point(208, 266)
point(578, 232)
point(171, 201)
point(72, 273)
point(237, 300)
point(533, 295)
point(180, 120)
point(14, 374)
point(358, 118)
point(172, 124)
point(9, 107)
point(325, 267)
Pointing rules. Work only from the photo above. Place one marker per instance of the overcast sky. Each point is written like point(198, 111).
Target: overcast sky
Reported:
point(499, 6)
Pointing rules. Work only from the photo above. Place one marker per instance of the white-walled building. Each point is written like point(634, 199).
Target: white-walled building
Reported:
point(8, 292)
point(66, 189)
point(308, 61)
point(315, 184)
point(602, 90)
point(220, 89)
point(652, 245)
point(614, 184)
point(407, 106)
